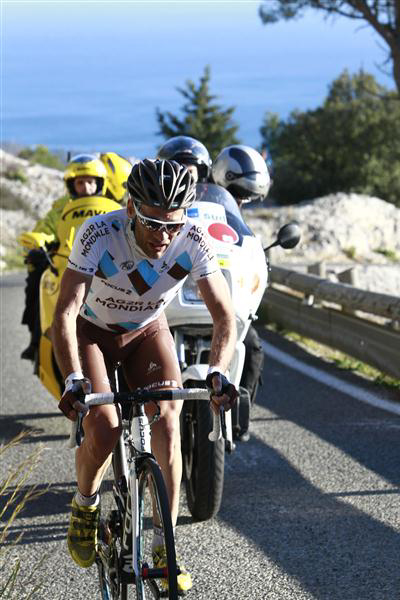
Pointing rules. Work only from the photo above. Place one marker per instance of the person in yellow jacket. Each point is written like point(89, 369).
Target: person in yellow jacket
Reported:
point(85, 175)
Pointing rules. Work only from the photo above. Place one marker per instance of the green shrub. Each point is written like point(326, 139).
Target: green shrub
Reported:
point(42, 156)
point(11, 201)
point(390, 254)
point(16, 174)
point(349, 144)
point(350, 252)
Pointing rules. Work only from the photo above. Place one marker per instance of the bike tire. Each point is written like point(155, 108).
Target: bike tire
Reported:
point(109, 586)
point(203, 461)
point(151, 485)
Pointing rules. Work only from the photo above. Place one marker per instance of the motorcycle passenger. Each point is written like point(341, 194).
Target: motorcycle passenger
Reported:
point(118, 169)
point(140, 260)
point(244, 173)
point(189, 152)
point(85, 175)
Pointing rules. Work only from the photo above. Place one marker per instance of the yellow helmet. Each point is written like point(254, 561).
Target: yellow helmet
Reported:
point(85, 165)
point(118, 169)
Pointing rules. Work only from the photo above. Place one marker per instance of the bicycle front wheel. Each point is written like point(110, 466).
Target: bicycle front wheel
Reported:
point(153, 506)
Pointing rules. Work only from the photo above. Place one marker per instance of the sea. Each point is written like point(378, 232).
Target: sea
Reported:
point(89, 76)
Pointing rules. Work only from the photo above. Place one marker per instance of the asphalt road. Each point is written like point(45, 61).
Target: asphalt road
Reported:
point(311, 502)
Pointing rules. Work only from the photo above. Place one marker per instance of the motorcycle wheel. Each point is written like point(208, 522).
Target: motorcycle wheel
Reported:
point(203, 461)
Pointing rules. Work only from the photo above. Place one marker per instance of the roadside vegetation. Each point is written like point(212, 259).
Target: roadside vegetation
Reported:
point(349, 144)
point(340, 359)
point(43, 156)
point(15, 493)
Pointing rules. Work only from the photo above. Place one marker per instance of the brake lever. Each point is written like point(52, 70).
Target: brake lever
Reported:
point(79, 429)
point(219, 426)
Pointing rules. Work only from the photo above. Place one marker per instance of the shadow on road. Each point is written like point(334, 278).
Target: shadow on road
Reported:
point(369, 435)
point(12, 425)
point(333, 549)
point(54, 502)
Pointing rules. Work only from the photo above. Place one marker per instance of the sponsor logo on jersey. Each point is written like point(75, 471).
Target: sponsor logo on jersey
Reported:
point(127, 265)
point(197, 235)
point(85, 269)
point(116, 287)
point(129, 305)
point(92, 234)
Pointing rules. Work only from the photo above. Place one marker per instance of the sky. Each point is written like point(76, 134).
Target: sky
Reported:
point(106, 66)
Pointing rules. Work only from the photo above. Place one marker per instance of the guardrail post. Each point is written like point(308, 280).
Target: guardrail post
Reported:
point(318, 268)
point(348, 276)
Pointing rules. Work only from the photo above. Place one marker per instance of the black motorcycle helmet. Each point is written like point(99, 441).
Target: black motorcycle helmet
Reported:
point(188, 151)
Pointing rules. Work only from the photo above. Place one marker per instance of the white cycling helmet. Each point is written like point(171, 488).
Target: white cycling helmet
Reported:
point(243, 172)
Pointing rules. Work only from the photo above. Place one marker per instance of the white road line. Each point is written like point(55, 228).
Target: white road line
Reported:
point(330, 380)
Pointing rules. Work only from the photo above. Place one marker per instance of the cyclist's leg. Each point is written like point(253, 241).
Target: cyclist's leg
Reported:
point(154, 364)
point(101, 425)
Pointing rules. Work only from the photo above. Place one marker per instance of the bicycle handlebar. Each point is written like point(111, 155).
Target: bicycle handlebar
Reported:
point(139, 395)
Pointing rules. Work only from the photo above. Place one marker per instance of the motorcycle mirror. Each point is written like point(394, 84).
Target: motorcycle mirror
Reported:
point(288, 237)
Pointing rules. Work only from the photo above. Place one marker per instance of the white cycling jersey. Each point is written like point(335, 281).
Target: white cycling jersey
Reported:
point(128, 289)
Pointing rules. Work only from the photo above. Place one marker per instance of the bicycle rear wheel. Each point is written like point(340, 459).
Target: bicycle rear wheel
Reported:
point(152, 497)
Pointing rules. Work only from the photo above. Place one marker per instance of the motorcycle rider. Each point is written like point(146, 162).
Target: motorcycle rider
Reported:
point(139, 257)
point(244, 173)
point(85, 175)
point(246, 187)
point(189, 152)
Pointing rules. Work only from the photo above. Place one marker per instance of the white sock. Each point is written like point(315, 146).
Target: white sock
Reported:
point(82, 500)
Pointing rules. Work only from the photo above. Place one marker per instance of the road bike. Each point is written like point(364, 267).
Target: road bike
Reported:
point(124, 553)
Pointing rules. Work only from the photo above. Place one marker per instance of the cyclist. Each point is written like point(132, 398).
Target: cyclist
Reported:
point(189, 152)
point(85, 175)
point(244, 173)
point(124, 269)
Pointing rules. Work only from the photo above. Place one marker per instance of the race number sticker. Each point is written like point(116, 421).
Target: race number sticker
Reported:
point(223, 233)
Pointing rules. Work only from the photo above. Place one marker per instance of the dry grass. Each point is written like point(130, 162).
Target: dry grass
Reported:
point(14, 495)
point(342, 360)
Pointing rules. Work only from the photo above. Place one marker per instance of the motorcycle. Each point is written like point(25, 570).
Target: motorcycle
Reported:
point(242, 260)
point(56, 253)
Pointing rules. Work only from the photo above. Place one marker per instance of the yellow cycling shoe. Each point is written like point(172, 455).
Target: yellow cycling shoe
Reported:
point(82, 534)
point(184, 579)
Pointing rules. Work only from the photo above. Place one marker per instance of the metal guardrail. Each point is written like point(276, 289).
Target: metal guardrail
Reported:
point(338, 315)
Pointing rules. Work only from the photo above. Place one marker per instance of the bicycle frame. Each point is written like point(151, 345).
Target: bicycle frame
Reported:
point(140, 423)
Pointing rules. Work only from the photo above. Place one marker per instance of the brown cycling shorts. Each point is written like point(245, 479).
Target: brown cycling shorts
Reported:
point(147, 356)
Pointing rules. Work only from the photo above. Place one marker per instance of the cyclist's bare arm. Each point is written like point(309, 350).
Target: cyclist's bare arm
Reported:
point(215, 292)
point(73, 291)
